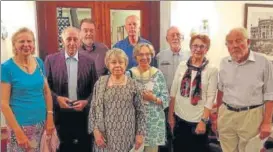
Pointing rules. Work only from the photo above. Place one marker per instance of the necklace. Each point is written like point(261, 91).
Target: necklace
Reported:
point(141, 79)
point(117, 82)
point(25, 66)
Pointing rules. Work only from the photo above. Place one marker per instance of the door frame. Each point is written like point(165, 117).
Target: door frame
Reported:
point(46, 13)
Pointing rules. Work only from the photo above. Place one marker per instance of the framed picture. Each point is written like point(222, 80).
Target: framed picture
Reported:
point(259, 23)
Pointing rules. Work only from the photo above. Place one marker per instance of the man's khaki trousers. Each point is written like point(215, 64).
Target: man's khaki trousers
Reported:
point(237, 128)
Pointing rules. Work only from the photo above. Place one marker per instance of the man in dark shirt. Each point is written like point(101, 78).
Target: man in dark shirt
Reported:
point(95, 49)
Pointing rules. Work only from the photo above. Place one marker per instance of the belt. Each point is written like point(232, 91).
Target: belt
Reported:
point(241, 109)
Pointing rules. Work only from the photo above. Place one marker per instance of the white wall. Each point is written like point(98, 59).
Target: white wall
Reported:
point(222, 16)
point(16, 14)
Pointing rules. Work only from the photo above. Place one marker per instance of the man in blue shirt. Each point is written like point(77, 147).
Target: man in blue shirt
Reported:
point(132, 26)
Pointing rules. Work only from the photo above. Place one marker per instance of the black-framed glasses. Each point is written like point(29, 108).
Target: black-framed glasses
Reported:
point(201, 47)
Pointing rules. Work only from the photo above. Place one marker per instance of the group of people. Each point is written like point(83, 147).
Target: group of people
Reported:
point(114, 100)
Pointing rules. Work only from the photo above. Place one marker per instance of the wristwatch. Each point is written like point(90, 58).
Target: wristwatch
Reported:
point(205, 120)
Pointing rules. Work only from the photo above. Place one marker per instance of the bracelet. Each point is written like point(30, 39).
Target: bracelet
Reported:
point(50, 112)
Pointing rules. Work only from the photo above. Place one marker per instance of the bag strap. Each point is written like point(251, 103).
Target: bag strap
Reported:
point(40, 69)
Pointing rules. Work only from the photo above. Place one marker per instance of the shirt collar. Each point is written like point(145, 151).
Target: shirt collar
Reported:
point(76, 56)
point(89, 48)
point(179, 53)
point(138, 41)
point(250, 57)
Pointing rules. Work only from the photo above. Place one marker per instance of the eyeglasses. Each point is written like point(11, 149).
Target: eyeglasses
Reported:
point(179, 36)
point(144, 54)
point(201, 47)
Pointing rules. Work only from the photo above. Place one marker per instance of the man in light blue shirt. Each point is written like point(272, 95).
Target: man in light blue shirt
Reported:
point(72, 74)
point(169, 59)
point(132, 26)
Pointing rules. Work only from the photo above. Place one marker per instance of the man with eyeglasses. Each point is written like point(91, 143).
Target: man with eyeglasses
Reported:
point(245, 94)
point(94, 49)
point(167, 61)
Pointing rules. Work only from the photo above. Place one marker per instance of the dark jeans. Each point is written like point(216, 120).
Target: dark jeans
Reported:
point(185, 138)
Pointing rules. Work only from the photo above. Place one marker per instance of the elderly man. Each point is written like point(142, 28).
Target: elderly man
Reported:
point(71, 76)
point(245, 94)
point(168, 60)
point(95, 49)
point(132, 26)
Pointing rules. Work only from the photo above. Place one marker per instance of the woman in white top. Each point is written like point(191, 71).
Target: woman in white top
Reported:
point(192, 95)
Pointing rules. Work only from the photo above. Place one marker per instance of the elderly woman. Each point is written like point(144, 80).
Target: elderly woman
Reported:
point(26, 99)
point(117, 116)
point(155, 94)
point(192, 95)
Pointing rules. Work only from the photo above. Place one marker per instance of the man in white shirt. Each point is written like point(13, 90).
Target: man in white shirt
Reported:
point(245, 93)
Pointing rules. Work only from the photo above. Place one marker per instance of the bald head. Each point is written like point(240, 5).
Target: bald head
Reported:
point(174, 38)
point(132, 25)
point(132, 17)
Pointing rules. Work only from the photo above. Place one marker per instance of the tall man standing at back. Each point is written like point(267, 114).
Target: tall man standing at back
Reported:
point(167, 61)
point(245, 94)
point(95, 49)
point(132, 26)
point(71, 75)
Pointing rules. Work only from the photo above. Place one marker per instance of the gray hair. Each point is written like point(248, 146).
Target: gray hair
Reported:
point(140, 45)
point(70, 28)
point(120, 54)
point(174, 27)
point(239, 29)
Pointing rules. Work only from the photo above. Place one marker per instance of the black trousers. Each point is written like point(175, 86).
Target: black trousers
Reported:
point(72, 129)
point(185, 139)
point(76, 144)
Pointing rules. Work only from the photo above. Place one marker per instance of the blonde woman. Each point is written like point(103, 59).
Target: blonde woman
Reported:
point(117, 116)
point(26, 99)
point(155, 94)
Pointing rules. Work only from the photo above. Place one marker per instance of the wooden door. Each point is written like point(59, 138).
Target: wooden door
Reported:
point(100, 12)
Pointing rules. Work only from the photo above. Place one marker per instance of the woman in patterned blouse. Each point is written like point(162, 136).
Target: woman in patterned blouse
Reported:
point(117, 116)
point(155, 96)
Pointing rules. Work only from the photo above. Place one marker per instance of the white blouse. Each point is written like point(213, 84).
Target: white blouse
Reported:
point(183, 107)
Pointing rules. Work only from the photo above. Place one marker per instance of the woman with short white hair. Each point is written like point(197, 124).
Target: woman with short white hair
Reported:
point(117, 116)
